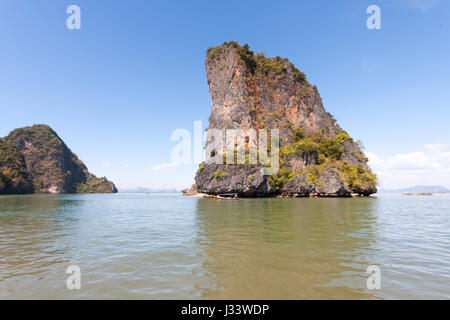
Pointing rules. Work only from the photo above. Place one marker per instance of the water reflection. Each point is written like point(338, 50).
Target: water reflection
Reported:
point(172, 247)
point(287, 248)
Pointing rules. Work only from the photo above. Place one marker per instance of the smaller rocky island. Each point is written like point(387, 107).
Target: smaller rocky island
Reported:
point(36, 160)
point(251, 92)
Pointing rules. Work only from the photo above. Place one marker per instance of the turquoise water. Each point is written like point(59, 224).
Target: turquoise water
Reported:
point(166, 246)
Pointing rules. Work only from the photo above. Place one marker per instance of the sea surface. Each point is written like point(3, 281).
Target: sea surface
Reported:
point(166, 246)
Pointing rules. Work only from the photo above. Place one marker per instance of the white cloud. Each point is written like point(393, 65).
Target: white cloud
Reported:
point(164, 166)
point(429, 165)
point(105, 164)
point(435, 147)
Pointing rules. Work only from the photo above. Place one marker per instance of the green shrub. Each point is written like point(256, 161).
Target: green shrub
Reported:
point(298, 134)
point(343, 137)
point(357, 177)
point(244, 52)
point(324, 147)
point(298, 75)
point(258, 62)
point(270, 65)
point(218, 174)
point(279, 179)
point(313, 173)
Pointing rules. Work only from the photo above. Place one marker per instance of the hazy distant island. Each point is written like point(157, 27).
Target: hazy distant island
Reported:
point(418, 190)
point(147, 190)
point(317, 157)
point(36, 160)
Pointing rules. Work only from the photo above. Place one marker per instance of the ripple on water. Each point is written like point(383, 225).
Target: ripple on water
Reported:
point(157, 246)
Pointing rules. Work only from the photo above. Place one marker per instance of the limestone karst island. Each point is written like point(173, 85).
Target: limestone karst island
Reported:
point(35, 160)
point(240, 152)
point(317, 157)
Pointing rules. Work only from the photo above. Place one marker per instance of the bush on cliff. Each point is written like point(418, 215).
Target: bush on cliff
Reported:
point(35, 159)
point(258, 62)
point(218, 174)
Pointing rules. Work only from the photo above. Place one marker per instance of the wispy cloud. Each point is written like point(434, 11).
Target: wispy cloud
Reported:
point(164, 166)
point(429, 164)
point(105, 164)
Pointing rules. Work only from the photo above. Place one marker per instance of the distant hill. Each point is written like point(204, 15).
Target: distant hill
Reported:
point(418, 189)
point(36, 160)
point(147, 190)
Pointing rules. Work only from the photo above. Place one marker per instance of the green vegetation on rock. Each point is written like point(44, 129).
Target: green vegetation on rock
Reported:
point(317, 157)
point(279, 179)
point(218, 174)
point(94, 185)
point(329, 152)
point(357, 177)
point(35, 159)
point(258, 62)
point(324, 147)
point(14, 177)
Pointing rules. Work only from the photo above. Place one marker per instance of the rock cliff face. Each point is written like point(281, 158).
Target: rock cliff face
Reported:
point(35, 159)
point(317, 157)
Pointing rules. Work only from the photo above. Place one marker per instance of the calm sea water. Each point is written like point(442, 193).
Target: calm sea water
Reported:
point(165, 246)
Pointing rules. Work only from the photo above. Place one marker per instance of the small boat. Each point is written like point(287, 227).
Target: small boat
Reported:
point(225, 196)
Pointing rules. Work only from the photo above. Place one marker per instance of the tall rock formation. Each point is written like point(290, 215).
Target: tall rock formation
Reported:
point(35, 159)
point(250, 91)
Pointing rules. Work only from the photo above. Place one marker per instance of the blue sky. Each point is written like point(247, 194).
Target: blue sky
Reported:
point(116, 89)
